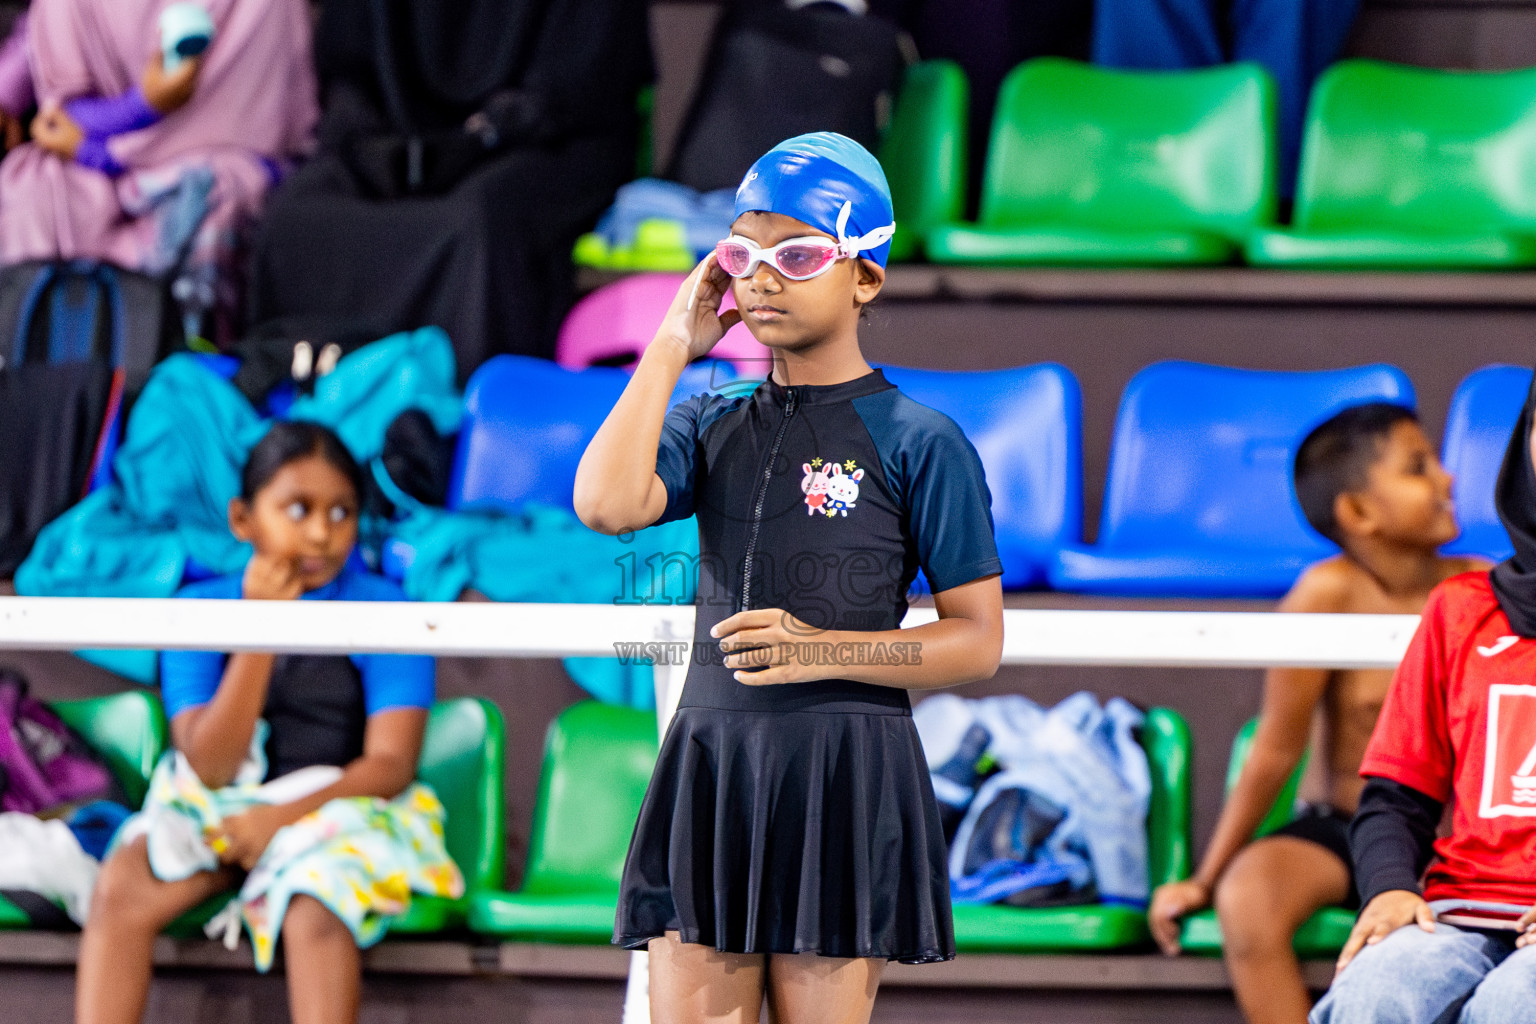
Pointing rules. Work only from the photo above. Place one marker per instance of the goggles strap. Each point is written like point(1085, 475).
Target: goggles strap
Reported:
point(851, 247)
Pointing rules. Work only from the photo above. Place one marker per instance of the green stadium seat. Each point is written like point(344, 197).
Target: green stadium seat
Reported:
point(1100, 167)
point(1324, 934)
point(996, 928)
point(128, 731)
point(1411, 168)
point(597, 763)
point(463, 759)
point(924, 153)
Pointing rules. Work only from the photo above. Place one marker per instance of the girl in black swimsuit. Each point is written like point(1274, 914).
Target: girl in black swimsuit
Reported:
point(790, 812)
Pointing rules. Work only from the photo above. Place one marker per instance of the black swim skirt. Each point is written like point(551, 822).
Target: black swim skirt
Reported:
point(790, 832)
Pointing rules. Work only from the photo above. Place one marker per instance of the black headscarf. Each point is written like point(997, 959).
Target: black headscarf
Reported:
point(1514, 580)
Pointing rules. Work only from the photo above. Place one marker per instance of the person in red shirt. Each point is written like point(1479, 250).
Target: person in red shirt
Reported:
point(1458, 727)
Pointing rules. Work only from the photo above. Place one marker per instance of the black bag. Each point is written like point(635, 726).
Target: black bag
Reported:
point(298, 350)
point(775, 73)
point(76, 341)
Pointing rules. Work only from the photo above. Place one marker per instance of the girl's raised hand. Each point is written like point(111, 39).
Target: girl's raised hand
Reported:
point(694, 320)
point(271, 579)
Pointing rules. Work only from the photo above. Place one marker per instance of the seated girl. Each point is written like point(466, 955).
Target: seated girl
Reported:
point(159, 171)
point(292, 777)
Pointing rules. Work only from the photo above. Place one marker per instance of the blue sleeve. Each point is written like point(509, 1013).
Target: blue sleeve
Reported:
point(939, 477)
point(390, 680)
point(676, 456)
point(397, 681)
point(189, 679)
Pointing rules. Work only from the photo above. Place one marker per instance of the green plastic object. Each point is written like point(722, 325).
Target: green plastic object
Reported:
point(660, 245)
point(996, 928)
point(1412, 168)
point(463, 758)
point(598, 760)
point(1323, 935)
point(1325, 932)
point(128, 730)
point(1284, 808)
point(1102, 167)
point(924, 152)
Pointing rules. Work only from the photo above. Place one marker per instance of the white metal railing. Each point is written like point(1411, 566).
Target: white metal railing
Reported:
point(1030, 637)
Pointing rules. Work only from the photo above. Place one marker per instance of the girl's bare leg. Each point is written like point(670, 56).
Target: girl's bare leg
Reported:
point(810, 989)
point(128, 910)
point(324, 965)
point(693, 984)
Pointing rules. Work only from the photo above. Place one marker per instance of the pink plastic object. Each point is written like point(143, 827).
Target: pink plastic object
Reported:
point(613, 325)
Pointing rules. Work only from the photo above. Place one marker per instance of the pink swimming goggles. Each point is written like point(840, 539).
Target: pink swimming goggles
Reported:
point(802, 258)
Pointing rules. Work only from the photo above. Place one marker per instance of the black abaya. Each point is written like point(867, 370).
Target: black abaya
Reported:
point(484, 254)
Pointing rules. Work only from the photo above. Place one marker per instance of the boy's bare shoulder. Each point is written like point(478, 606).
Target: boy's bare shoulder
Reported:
point(1341, 584)
point(1336, 584)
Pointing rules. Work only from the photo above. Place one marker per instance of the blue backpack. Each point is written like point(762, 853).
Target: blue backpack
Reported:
point(77, 340)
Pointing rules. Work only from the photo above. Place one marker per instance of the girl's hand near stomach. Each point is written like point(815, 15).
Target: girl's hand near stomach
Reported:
point(768, 646)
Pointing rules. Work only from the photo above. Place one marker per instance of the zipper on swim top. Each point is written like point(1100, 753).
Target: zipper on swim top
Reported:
point(762, 496)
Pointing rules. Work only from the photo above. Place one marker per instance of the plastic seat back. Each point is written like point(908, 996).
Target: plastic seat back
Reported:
point(1165, 736)
point(1418, 150)
point(597, 763)
point(1026, 424)
point(527, 422)
point(1477, 427)
point(127, 729)
point(1202, 455)
point(1074, 144)
point(924, 152)
point(613, 325)
point(463, 759)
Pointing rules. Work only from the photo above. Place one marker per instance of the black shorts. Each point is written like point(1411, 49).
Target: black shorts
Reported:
point(1328, 828)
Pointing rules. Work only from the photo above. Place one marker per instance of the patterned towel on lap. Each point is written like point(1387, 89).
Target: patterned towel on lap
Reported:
point(362, 857)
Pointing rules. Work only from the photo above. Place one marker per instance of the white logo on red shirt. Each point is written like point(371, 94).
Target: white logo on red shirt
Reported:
point(1499, 646)
point(1509, 764)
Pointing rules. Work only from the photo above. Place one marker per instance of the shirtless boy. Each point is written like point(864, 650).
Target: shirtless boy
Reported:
point(1369, 480)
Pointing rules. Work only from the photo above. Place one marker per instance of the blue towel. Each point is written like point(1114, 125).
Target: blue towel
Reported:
point(508, 557)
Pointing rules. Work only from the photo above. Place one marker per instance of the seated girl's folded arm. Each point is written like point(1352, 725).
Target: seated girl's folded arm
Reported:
point(391, 750)
point(216, 736)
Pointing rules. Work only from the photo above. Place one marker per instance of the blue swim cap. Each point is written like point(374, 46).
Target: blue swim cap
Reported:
point(831, 183)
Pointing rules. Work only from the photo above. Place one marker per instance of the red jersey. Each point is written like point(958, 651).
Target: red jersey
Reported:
point(1459, 725)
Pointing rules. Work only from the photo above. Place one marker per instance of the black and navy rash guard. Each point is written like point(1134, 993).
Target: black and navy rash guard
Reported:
point(822, 500)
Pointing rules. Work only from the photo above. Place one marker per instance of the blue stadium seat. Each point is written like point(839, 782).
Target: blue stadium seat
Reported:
point(1199, 501)
point(1483, 412)
point(1026, 424)
point(527, 421)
